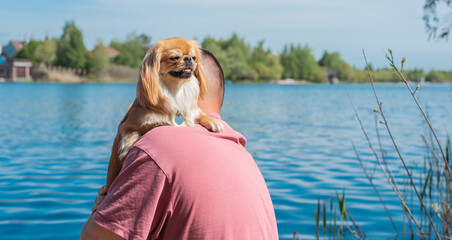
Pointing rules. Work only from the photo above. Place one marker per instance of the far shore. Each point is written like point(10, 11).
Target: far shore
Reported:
point(126, 75)
point(228, 82)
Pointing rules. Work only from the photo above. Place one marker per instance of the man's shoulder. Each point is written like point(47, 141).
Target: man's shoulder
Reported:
point(168, 136)
point(175, 142)
point(171, 135)
point(175, 148)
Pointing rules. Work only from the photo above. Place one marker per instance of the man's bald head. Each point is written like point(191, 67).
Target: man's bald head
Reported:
point(213, 100)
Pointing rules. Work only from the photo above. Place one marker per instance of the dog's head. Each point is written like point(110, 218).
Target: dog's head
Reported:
point(173, 60)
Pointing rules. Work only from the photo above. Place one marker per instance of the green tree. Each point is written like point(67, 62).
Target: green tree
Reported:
point(71, 51)
point(266, 64)
point(414, 74)
point(385, 75)
point(334, 62)
point(359, 75)
point(46, 52)
point(98, 58)
point(237, 65)
point(331, 60)
point(132, 51)
point(299, 63)
point(438, 76)
point(28, 51)
point(237, 55)
point(233, 55)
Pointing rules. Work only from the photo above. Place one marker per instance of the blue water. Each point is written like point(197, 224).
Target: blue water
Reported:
point(55, 144)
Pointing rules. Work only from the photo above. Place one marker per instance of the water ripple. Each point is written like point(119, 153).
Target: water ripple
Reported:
point(56, 140)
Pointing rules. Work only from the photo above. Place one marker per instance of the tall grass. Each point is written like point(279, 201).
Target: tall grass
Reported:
point(428, 189)
point(425, 203)
point(334, 221)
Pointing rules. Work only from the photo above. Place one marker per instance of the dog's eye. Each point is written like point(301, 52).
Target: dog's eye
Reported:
point(174, 58)
point(194, 58)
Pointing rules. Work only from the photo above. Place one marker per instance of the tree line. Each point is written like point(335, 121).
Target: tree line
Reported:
point(70, 51)
point(240, 60)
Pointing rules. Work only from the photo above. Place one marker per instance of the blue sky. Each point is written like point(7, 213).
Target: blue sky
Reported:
point(346, 26)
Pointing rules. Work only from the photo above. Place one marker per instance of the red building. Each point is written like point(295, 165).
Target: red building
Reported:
point(12, 69)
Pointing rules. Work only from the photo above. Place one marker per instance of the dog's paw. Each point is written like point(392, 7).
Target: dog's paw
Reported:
point(214, 125)
point(187, 124)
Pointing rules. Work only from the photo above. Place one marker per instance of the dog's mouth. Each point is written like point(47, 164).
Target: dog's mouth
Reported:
point(185, 73)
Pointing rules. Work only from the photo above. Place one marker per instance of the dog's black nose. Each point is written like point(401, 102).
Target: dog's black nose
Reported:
point(187, 59)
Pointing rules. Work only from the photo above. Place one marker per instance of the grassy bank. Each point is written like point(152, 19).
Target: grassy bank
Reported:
point(111, 74)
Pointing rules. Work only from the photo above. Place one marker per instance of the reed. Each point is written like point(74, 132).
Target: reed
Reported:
point(425, 203)
point(333, 220)
point(429, 189)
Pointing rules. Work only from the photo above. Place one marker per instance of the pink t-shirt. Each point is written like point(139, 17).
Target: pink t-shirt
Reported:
point(189, 183)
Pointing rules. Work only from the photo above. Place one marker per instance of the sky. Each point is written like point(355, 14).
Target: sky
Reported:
point(346, 26)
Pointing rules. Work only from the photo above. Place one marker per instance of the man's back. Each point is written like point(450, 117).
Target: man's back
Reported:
point(194, 184)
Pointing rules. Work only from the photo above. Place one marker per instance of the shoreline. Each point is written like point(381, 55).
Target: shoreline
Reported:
point(227, 82)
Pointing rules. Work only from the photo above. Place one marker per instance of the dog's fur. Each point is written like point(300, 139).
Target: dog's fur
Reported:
point(170, 81)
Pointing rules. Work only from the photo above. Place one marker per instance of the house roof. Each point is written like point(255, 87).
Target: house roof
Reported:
point(111, 52)
point(18, 44)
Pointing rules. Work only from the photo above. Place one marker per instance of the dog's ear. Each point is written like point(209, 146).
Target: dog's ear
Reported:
point(148, 86)
point(201, 75)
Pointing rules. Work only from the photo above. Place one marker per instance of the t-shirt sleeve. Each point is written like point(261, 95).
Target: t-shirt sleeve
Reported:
point(139, 201)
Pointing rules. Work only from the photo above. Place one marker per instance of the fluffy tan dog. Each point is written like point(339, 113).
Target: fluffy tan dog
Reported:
point(170, 82)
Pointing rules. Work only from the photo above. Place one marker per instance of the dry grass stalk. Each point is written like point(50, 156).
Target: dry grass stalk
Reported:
point(400, 73)
point(369, 178)
point(391, 182)
point(381, 113)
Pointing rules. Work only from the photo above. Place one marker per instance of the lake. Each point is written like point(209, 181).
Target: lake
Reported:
point(55, 145)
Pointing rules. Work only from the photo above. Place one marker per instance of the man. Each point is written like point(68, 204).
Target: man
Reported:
point(187, 183)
